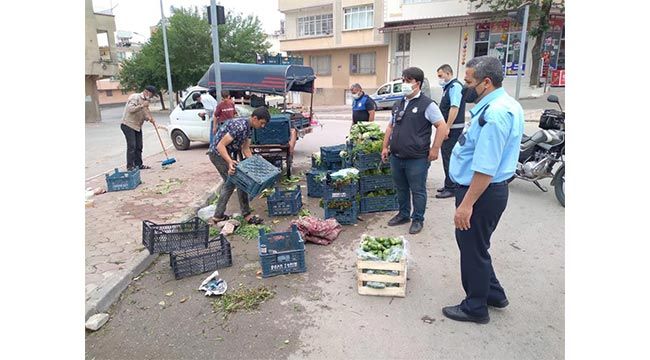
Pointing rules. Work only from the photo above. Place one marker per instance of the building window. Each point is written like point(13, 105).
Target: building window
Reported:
point(500, 39)
point(109, 92)
point(321, 64)
point(406, 2)
point(404, 42)
point(362, 63)
point(359, 17)
point(315, 25)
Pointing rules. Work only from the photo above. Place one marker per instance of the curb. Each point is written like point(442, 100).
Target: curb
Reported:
point(108, 292)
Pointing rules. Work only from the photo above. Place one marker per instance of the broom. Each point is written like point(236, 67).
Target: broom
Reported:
point(169, 160)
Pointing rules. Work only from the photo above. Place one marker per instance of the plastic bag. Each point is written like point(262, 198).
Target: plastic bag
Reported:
point(207, 212)
point(214, 285)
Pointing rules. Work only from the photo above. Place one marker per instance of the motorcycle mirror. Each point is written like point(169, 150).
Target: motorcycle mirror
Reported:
point(553, 98)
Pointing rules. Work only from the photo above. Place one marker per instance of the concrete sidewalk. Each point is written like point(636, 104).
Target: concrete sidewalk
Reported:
point(114, 250)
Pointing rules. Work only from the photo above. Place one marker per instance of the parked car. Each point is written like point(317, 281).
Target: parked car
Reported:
point(390, 93)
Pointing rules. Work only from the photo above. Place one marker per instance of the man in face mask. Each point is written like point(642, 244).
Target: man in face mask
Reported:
point(409, 136)
point(482, 161)
point(363, 107)
point(452, 106)
point(136, 112)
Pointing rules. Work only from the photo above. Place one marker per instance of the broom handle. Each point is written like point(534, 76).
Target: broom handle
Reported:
point(157, 133)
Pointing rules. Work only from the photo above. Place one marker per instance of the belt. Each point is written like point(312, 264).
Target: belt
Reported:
point(457, 126)
point(500, 183)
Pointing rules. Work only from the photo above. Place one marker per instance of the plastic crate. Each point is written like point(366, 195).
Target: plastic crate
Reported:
point(165, 238)
point(126, 180)
point(333, 165)
point(284, 202)
point(341, 192)
point(376, 182)
point(276, 131)
point(331, 154)
point(198, 261)
point(281, 252)
point(378, 203)
point(346, 216)
point(254, 175)
point(364, 162)
point(314, 188)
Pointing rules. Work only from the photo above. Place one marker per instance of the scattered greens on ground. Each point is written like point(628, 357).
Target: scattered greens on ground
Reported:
point(216, 199)
point(304, 212)
point(214, 232)
point(166, 186)
point(249, 231)
point(241, 299)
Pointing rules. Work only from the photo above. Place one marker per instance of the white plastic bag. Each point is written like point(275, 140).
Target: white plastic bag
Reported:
point(207, 212)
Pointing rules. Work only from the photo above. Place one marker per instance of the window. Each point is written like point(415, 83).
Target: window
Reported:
point(362, 63)
point(500, 39)
point(397, 87)
point(481, 42)
point(315, 25)
point(359, 17)
point(384, 90)
point(120, 56)
point(321, 64)
point(404, 42)
point(109, 92)
point(415, 1)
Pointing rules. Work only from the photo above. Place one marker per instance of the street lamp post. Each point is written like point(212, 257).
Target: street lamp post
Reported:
point(522, 50)
point(215, 48)
point(169, 74)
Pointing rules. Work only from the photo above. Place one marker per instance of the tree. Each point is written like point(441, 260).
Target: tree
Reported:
point(190, 50)
point(538, 23)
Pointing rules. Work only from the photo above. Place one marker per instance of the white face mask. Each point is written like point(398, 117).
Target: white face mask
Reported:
point(357, 95)
point(443, 82)
point(407, 88)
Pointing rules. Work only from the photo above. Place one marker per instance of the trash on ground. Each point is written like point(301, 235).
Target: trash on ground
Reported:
point(242, 299)
point(214, 285)
point(318, 231)
point(206, 213)
point(96, 321)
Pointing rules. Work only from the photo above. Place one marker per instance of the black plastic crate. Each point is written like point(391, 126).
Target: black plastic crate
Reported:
point(281, 252)
point(370, 183)
point(314, 188)
point(378, 204)
point(364, 162)
point(347, 216)
point(333, 165)
point(198, 261)
point(284, 202)
point(331, 191)
point(165, 238)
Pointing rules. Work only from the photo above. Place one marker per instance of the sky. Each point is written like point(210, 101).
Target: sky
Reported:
point(139, 15)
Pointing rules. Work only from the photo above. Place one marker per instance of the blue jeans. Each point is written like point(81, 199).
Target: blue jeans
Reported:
point(410, 177)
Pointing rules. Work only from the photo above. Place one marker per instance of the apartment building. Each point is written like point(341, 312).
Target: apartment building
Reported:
point(340, 40)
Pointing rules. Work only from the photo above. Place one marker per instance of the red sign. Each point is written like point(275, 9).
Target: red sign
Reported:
point(557, 78)
point(556, 23)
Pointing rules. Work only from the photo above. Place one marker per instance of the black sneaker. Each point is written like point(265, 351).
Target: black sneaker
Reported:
point(445, 194)
point(398, 220)
point(441, 189)
point(416, 227)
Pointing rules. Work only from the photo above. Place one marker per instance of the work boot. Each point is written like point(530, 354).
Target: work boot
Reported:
point(416, 227)
point(398, 220)
point(445, 194)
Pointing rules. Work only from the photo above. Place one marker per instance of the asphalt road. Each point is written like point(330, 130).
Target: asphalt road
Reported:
point(319, 315)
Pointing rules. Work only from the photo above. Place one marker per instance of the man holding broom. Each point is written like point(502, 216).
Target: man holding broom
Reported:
point(136, 112)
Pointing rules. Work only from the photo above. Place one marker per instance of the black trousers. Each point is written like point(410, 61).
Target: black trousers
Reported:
point(479, 280)
point(133, 147)
point(447, 147)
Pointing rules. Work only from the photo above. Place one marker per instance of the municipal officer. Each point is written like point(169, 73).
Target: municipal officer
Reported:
point(482, 161)
point(409, 137)
point(363, 107)
point(452, 107)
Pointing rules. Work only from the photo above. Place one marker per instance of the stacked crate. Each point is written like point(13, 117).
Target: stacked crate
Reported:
point(333, 194)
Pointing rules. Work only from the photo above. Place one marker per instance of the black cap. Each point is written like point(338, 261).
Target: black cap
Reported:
point(152, 89)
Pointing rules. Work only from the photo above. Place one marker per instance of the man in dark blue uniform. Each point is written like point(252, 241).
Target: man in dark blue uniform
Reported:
point(363, 107)
point(482, 161)
point(452, 106)
point(409, 136)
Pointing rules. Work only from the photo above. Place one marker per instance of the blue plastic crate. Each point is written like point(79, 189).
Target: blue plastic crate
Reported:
point(281, 252)
point(331, 153)
point(364, 162)
point(333, 165)
point(276, 131)
point(314, 188)
point(254, 175)
point(126, 180)
point(376, 182)
point(378, 203)
point(284, 202)
point(346, 216)
point(198, 261)
point(340, 192)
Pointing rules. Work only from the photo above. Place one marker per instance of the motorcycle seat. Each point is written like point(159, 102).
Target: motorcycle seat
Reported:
point(524, 138)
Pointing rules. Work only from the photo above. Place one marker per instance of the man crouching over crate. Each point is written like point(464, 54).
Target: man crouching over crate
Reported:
point(231, 141)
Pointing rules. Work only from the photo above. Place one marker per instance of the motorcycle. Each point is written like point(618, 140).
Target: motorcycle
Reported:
point(541, 152)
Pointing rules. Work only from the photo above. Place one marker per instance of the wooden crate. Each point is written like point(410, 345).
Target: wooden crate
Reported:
point(399, 291)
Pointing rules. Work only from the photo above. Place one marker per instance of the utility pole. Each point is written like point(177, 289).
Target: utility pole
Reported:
point(215, 48)
point(522, 50)
point(170, 91)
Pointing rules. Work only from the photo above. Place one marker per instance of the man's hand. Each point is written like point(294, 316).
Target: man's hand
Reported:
point(448, 131)
point(231, 167)
point(462, 216)
point(384, 154)
point(145, 103)
point(433, 154)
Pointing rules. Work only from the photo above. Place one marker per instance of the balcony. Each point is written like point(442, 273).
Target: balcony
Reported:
point(291, 5)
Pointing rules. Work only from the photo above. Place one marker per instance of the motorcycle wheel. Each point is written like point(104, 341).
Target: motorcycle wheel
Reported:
point(558, 181)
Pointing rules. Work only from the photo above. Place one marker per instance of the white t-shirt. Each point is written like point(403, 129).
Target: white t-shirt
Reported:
point(209, 103)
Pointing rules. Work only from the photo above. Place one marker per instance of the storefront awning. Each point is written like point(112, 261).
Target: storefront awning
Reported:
point(437, 23)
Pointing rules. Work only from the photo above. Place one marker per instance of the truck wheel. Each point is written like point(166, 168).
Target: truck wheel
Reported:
point(181, 142)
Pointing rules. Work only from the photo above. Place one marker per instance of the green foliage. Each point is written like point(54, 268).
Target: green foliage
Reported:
point(190, 49)
point(241, 299)
point(250, 231)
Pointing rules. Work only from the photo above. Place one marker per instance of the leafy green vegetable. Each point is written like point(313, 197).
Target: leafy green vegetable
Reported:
point(304, 212)
point(249, 231)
